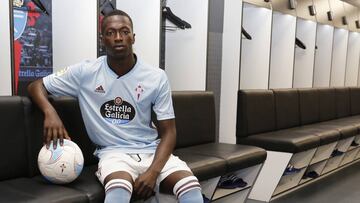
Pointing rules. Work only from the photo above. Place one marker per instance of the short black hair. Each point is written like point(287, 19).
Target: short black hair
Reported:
point(115, 12)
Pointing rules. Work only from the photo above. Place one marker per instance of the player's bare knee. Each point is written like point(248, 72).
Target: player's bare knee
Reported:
point(119, 175)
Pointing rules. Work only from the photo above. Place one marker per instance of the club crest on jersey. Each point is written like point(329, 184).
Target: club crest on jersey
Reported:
point(117, 111)
point(100, 89)
point(139, 90)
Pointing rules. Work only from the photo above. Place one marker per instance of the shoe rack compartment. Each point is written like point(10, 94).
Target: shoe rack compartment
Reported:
point(332, 163)
point(349, 156)
point(236, 197)
point(302, 159)
point(356, 140)
point(317, 167)
point(358, 155)
point(247, 174)
point(323, 152)
point(289, 181)
point(344, 144)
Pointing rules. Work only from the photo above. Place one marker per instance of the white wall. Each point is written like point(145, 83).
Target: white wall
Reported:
point(230, 70)
point(186, 50)
point(352, 61)
point(338, 64)
point(304, 58)
point(74, 25)
point(322, 68)
point(282, 50)
point(5, 51)
point(255, 53)
point(146, 19)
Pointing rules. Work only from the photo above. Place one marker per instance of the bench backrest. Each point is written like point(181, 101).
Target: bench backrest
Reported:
point(355, 100)
point(262, 111)
point(195, 117)
point(287, 110)
point(343, 105)
point(14, 138)
point(309, 106)
point(327, 104)
point(255, 112)
point(22, 128)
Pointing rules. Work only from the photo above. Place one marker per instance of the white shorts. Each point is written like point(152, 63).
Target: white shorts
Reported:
point(136, 164)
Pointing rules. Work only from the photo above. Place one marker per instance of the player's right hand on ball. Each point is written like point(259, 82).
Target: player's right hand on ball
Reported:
point(54, 130)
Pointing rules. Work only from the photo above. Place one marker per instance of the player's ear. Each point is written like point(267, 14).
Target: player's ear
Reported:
point(133, 41)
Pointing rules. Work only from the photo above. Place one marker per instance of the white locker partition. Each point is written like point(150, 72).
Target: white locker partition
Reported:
point(282, 50)
point(230, 70)
point(255, 53)
point(304, 58)
point(145, 15)
point(5, 50)
point(322, 67)
point(338, 63)
point(352, 60)
point(74, 27)
point(186, 50)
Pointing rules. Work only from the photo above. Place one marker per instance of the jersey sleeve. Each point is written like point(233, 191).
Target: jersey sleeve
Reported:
point(65, 82)
point(163, 106)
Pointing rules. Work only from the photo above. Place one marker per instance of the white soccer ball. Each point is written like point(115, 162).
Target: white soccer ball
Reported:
point(61, 165)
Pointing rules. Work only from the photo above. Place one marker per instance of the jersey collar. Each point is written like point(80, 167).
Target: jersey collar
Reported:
point(115, 75)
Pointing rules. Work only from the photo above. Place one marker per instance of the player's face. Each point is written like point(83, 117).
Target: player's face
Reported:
point(118, 36)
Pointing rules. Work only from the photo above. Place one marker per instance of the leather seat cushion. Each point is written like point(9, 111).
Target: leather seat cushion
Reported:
point(37, 190)
point(346, 130)
point(284, 140)
point(237, 156)
point(326, 135)
point(353, 120)
point(88, 183)
point(203, 167)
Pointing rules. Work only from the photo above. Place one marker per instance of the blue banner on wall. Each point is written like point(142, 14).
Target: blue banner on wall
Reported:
point(32, 42)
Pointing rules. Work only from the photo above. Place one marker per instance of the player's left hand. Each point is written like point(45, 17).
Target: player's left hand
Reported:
point(144, 185)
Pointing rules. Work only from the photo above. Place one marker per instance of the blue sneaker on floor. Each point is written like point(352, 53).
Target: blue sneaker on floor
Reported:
point(311, 174)
point(290, 169)
point(231, 182)
point(336, 152)
point(354, 144)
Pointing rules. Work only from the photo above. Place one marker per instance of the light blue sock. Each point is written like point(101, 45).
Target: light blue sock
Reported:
point(192, 196)
point(117, 195)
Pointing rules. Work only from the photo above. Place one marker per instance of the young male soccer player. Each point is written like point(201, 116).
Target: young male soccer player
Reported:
point(116, 93)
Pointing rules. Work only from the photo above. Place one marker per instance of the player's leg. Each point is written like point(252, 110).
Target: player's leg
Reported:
point(178, 178)
point(117, 175)
point(118, 187)
point(185, 187)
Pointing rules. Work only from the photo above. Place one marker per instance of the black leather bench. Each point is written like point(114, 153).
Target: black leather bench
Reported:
point(20, 180)
point(195, 126)
point(294, 120)
point(304, 128)
point(272, 124)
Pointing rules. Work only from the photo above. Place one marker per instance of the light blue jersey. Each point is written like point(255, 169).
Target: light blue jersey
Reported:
point(116, 110)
